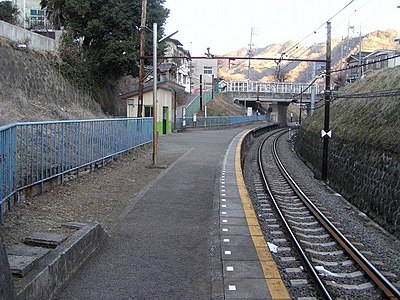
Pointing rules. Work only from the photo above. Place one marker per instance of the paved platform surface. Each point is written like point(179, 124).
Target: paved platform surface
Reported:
point(170, 243)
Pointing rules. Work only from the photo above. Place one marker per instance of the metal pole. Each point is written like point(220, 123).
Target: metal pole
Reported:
point(312, 104)
point(175, 112)
point(360, 56)
point(155, 94)
point(301, 102)
point(324, 170)
point(212, 86)
point(201, 92)
point(141, 58)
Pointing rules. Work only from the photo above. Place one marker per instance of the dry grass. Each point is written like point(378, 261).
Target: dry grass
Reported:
point(222, 105)
point(32, 89)
point(373, 122)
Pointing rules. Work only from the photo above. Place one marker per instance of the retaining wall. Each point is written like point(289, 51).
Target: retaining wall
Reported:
point(21, 35)
point(369, 178)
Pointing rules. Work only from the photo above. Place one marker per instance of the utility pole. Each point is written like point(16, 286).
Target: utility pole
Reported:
point(326, 133)
point(250, 53)
point(141, 59)
point(360, 56)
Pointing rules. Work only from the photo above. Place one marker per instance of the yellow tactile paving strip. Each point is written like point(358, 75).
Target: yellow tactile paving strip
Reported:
point(272, 276)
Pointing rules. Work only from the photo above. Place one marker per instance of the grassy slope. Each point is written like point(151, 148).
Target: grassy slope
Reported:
point(222, 105)
point(373, 122)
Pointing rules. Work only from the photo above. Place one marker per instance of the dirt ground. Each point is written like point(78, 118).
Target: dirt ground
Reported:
point(98, 197)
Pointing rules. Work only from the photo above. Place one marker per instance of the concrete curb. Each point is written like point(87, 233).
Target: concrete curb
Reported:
point(56, 268)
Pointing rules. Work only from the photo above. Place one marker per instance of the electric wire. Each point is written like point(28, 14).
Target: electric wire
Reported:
point(318, 28)
point(365, 64)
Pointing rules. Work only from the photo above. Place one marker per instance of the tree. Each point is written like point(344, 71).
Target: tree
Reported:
point(9, 12)
point(109, 31)
point(55, 12)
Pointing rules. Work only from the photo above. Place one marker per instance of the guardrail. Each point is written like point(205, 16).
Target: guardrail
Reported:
point(217, 121)
point(32, 153)
point(269, 87)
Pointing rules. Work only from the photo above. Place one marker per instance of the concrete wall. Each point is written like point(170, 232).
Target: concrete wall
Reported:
point(7, 291)
point(368, 178)
point(20, 35)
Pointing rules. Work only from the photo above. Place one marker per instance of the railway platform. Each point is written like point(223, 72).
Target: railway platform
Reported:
point(190, 234)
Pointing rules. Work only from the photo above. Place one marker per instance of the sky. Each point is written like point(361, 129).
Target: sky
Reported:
point(226, 25)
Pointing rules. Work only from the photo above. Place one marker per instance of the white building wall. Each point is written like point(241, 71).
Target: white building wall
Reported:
point(204, 67)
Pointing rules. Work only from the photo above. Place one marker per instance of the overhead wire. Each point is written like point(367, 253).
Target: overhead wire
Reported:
point(365, 64)
point(318, 28)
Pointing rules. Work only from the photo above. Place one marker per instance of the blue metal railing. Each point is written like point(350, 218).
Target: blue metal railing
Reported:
point(218, 121)
point(32, 153)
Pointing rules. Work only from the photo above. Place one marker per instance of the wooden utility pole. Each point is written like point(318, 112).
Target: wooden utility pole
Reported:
point(326, 133)
point(141, 59)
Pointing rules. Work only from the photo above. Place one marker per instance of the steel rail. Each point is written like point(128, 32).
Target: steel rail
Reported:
point(376, 276)
point(323, 292)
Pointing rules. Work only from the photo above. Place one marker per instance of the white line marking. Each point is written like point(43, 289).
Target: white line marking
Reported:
point(225, 229)
point(232, 287)
point(226, 240)
point(229, 269)
point(228, 252)
point(223, 190)
point(224, 212)
point(223, 200)
point(223, 195)
point(224, 221)
point(223, 205)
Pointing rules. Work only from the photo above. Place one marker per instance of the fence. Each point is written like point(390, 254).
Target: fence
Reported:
point(218, 121)
point(269, 87)
point(194, 106)
point(32, 153)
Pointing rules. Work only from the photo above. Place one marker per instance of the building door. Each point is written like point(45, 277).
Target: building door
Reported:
point(165, 118)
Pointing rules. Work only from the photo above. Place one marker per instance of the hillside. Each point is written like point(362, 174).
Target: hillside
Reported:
point(33, 89)
point(301, 71)
point(371, 121)
point(222, 105)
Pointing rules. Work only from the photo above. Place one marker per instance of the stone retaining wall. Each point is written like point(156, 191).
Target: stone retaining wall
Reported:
point(34, 40)
point(369, 178)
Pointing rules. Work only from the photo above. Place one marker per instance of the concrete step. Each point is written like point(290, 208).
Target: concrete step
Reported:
point(45, 239)
point(24, 258)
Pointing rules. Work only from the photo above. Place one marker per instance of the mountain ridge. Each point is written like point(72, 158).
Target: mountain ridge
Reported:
point(300, 71)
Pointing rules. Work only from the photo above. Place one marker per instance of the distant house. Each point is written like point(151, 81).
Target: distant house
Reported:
point(33, 17)
point(353, 61)
point(166, 96)
point(380, 59)
point(208, 69)
point(181, 62)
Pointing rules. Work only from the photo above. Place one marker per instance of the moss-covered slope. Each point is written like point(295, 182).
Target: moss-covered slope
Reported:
point(371, 121)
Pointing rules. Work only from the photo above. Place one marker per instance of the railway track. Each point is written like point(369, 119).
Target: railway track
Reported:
point(322, 262)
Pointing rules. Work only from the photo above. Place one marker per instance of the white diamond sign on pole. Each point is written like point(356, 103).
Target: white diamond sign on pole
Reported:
point(324, 133)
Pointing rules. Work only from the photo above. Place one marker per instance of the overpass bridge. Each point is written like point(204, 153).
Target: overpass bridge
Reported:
point(272, 96)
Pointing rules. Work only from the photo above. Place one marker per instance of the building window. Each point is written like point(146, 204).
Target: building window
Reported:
point(36, 19)
point(148, 111)
point(207, 70)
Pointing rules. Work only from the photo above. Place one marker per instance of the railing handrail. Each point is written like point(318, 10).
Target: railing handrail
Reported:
point(32, 153)
point(5, 127)
point(282, 87)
